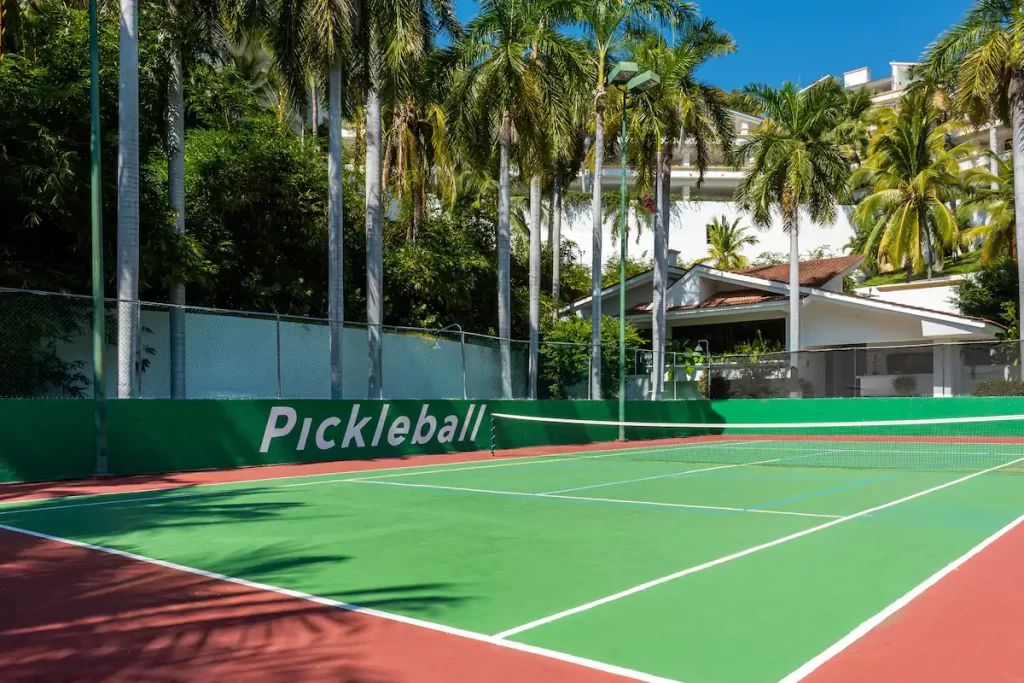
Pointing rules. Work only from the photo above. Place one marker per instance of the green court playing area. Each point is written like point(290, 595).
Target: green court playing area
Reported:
point(706, 561)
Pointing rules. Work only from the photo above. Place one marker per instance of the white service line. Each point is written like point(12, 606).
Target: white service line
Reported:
point(455, 469)
point(521, 494)
point(256, 484)
point(531, 459)
point(705, 469)
point(327, 602)
point(862, 630)
point(743, 553)
point(755, 511)
point(659, 476)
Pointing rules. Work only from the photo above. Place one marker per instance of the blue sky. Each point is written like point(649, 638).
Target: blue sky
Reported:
point(802, 40)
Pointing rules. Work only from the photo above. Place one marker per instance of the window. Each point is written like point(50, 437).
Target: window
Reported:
point(1008, 145)
point(707, 234)
point(909, 363)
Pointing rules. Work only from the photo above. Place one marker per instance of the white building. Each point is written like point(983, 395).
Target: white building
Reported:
point(854, 345)
point(687, 226)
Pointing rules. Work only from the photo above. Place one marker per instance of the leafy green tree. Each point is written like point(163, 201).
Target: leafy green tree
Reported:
point(634, 267)
point(984, 293)
point(44, 138)
point(258, 201)
point(993, 194)
point(565, 357)
point(727, 239)
point(797, 165)
point(982, 59)
point(912, 176)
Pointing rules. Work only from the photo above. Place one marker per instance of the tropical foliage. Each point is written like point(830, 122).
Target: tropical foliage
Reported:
point(797, 165)
point(227, 186)
point(726, 239)
point(992, 195)
point(912, 175)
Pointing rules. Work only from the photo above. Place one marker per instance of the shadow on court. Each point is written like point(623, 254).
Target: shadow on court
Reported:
point(72, 614)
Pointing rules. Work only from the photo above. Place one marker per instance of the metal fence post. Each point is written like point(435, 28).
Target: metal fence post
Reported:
point(590, 373)
point(278, 355)
point(465, 390)
point(138, 351)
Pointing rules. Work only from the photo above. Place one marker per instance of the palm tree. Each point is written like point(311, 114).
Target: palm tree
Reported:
point(683, 111)
point(796, 165)
point(311, 40)
point(567, 114)
point(128, 202)
point(727, 239)
point(194, 26)
point(983, 58)
point(993, 194)
point(418, 161)
point(498, 99)
point(395, 38)
point(608, 25)
point(858, 118)
point(911, 177)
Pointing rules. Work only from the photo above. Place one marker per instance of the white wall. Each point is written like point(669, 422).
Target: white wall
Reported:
point(937, 297)
point(826, 324)
point(687, 233)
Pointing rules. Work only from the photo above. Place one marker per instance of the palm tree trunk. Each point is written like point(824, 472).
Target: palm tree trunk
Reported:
point(374, 237)
point(596, 258)
point(666, 234)
point(176, 191)
point(314, 96)
point(1017, 114)
point(929, 248)
point(794, 300)
point(535, 228)
point(556, 239)
point(128, 203)
point(658, 293)
point(504, 285)
point(335, 231)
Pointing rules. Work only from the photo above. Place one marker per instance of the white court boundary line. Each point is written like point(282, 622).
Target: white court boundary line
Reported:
point(869, 625)
point(522, 494)
point(743, 553)
point(327, 602)
point(399, 471)
point(658, 476)
point(255, 484)
point(769, 426)
point(698, 471)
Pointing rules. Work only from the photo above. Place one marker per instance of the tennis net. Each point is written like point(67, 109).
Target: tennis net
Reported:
point(961, 443)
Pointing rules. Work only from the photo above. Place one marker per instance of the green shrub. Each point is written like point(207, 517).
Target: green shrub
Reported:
point(999, 387)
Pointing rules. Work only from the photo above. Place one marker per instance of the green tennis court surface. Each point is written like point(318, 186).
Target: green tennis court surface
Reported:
point(701, 561)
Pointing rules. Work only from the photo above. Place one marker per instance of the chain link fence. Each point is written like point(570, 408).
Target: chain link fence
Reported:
point(46, 351)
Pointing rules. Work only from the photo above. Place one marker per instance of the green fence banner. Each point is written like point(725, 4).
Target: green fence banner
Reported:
point(44, 439)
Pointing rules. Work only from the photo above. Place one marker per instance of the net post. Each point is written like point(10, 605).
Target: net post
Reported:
point(492, 435)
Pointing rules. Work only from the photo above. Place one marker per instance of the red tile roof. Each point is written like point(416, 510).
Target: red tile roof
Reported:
point(812, 273)
point(738, 297)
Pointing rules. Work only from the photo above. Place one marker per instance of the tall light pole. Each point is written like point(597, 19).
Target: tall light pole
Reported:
point(625, 74)
point(99, 386)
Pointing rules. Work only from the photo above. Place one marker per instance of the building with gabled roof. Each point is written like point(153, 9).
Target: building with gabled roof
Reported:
point(880, 340)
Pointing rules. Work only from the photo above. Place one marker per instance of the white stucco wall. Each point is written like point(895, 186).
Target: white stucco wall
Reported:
point(937, 296)
point(687, 233)
point(831, 324)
